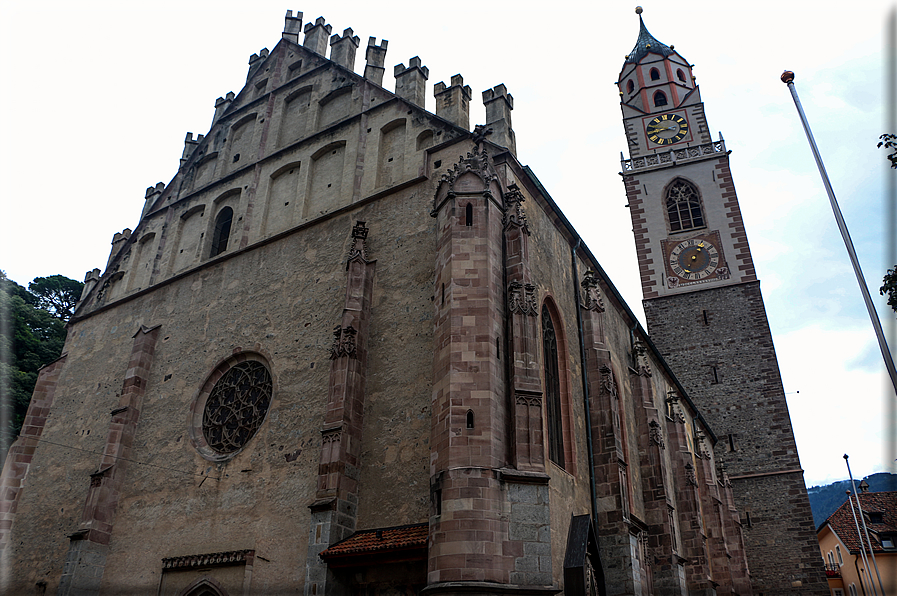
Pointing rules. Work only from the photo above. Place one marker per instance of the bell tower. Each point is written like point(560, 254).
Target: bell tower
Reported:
point(705, 311)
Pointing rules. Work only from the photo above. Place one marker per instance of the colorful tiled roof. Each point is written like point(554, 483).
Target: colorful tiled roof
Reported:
point(646, 44)
point(381, 540)
point(842, 523)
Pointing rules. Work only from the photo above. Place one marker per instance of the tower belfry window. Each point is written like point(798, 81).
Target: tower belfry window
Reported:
point(630, 86)
point(222, 231)
point(684, 207)
point(660, 99)
point(680, 75)
point(655, 74)
point(552, 389)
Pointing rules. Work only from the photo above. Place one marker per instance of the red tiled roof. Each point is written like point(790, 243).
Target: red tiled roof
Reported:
point(383, 540)
point(841, 521)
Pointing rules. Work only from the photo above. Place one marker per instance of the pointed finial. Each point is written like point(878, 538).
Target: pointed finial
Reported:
point(638, 10)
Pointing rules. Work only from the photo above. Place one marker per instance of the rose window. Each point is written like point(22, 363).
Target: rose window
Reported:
point(236, 407)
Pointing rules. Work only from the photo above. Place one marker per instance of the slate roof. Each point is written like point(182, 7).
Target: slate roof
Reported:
point(380, 540)
point(646, 44)
point(841, 521)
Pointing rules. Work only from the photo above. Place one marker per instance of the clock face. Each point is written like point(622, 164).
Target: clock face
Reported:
point(694, 259)
point(667, 129)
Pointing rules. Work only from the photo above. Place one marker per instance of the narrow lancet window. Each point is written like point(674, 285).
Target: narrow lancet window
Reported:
point(222, 231)
point(468, 215)
point(552, 389)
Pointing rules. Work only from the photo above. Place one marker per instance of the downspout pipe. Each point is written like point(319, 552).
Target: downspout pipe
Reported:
point(585, 380)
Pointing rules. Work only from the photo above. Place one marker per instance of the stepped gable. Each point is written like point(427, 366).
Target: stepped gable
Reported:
point(269, 74)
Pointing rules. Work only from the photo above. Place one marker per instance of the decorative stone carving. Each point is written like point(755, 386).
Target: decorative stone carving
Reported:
point(514, 214)
point(673, 405)
point(591, 295)
point(701, 445)
point(476, 162)
point(722, 475)
point(235, 557)
point(331, 435)
point(359, 248)
point(522, 299)
point(479, 133)
point(236, 407)
point(608, 385)
point(655, 433)
point(528, 399)
point(641, 358)
point(690, 474)
point(343, 342)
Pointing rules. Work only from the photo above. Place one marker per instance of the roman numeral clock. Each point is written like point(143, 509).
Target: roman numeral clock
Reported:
point(667, 129)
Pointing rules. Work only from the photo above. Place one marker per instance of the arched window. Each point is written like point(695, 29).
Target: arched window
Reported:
point(630, 86)
point(840, 559)
point(684, 207)
point(680, 75)
point(660, 99)
point(552, 389)
point(655, 74)
point(222, 231)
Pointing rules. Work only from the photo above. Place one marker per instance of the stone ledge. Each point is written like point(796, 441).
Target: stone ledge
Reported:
point(474, 588)
point(522, 476)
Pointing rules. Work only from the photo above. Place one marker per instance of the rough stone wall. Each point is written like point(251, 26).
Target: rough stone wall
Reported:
point(280, 300)
point(746, 400)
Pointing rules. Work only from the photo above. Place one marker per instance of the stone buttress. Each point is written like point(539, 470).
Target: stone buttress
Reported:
point(490, 522)
point(663, 575)
point(89, 547)
point(335, 509)
point(610, 465)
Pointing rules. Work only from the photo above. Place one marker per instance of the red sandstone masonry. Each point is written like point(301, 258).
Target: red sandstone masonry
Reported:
point(467, 375)
point(18, 459)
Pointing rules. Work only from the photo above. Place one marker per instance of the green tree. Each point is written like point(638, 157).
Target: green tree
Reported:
point(31, 336)
point(889, 141)
point(57, 294)
point(889, 288)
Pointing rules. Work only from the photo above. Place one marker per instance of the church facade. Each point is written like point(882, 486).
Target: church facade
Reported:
point(335, 358)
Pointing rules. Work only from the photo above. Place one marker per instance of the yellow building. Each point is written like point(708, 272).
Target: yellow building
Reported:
point(840, 544)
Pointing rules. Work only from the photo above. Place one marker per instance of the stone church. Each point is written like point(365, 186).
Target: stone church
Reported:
point(334, 357)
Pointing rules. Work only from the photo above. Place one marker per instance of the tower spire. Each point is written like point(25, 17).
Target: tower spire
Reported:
point(646, 43)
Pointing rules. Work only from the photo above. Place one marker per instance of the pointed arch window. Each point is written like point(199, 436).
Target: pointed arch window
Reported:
point(684, 207)
point(655, 74)
point(552, 389)
point(222, 231)
point(660, 99)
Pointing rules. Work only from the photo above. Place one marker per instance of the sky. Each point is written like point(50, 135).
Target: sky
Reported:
point(99, 95)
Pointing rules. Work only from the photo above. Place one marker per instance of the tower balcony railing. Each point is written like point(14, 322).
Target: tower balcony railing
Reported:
point(832, 571)
point(673, 156)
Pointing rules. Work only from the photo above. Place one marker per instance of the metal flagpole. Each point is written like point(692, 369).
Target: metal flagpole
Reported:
point(865, 529)
point(862, 546)
point(788, 79)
